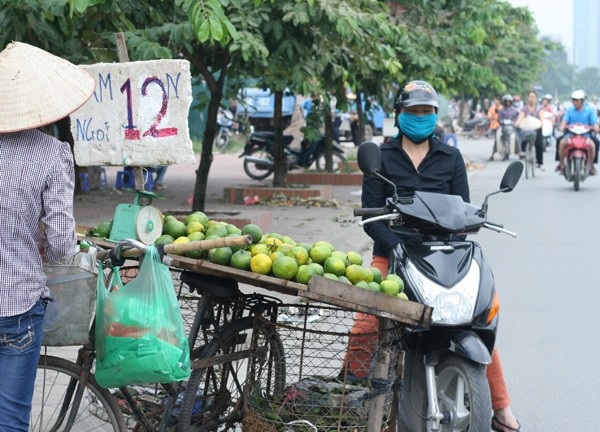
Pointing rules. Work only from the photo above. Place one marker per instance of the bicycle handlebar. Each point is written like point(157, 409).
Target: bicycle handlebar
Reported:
point(138, 250)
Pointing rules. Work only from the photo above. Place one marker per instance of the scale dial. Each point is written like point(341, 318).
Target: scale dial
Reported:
point(148, 225)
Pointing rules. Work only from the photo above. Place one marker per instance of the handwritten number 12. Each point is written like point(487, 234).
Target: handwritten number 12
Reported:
point(131, 133)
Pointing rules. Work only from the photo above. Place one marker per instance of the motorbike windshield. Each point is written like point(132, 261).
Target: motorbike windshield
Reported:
point(447, 212)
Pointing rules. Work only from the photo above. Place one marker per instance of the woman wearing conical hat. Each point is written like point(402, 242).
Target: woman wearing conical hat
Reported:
point(36, 185)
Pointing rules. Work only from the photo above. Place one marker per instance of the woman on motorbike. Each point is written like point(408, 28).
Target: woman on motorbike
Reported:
point(532, 109)
point(509, 112)
point(415, 160)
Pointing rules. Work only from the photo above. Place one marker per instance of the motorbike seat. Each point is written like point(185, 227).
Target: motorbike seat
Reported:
point(270, 136)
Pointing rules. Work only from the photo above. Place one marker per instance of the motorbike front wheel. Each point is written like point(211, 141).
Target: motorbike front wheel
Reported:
point(576, 173)
point(222, 139)
point(505, 147)
point(257, 170)
point(339, 162)
point(463, 393)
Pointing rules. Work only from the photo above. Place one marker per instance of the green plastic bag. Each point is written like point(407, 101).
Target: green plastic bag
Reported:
point(140, 337)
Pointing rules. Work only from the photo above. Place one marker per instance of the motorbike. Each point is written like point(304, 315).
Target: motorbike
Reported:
point(259, 155)
point(507, 137)
point(445, 386)
point(475, 127)
point(577, 154)
point(225, 123)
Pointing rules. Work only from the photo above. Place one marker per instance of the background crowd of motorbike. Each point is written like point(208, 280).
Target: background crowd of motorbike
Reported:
point(507, 137)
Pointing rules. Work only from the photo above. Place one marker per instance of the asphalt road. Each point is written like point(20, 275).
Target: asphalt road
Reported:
point(547, 282)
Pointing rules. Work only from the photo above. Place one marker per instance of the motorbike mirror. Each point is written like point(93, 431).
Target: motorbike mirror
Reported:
point(369, 158)
point(511, 176)
point(369, 162)
point(509, 181)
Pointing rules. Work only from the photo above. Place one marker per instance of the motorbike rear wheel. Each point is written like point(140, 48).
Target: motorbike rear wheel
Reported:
point(256, 170)
point(339, 162)
point(576, 173)
point(463, 392)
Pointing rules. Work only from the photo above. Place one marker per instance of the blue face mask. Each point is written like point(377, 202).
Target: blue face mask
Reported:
point(417, 127)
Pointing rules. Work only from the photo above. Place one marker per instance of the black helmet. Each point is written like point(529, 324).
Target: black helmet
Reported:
point(507, 97)
point(416, 93)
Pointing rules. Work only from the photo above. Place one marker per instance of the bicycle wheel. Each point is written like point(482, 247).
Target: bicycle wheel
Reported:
point(528, 165)
point(213, 396)
point(53, 400)
point(531, 158)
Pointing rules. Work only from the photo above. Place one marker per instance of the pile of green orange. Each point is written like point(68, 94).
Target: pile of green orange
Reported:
point(277, 255)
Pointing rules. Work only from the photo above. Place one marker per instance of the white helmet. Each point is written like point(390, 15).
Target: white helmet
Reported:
point(547, 96)
point(578, 94)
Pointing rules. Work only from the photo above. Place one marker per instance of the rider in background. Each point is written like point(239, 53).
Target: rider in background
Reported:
point(547, 112)
point(531, 108)
point(580, 113)
point(493, 116)
point(509, 112)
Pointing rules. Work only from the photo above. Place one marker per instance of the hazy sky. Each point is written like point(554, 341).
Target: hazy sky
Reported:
point(553, 18)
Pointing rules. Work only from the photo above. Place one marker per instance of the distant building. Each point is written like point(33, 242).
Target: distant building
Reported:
point(586, 33)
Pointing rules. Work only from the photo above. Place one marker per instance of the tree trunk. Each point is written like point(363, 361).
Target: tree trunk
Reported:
point(206, 156)
point(280, 175)
point(328, 140)
point(361, 118)
point(461, 111)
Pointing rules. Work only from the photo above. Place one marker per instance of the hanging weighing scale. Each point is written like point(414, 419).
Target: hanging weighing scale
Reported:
point(137, 221)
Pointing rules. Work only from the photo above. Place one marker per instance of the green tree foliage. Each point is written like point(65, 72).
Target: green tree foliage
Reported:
point(558, 76)
point(588, 79)
point(463, 47)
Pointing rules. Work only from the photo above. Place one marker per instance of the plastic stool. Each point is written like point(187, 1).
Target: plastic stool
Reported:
point(148, 180)
point(451, 137)
point(103, 180)
point(126, 179)
point(85, 182)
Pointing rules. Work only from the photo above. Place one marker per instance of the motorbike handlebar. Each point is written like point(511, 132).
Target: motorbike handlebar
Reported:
point(499, 228)
point(387, 216)
point(370, 211)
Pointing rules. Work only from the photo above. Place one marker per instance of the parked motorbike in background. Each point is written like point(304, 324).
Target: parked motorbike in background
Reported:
point(225, 123)
point(476, 127)
point(577, 154)
point(445, 386)
point(259, 155)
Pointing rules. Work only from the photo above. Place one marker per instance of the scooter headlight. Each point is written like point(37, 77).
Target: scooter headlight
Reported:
point(451, 306)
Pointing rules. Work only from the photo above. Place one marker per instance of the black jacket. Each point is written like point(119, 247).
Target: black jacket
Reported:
point(442, 170)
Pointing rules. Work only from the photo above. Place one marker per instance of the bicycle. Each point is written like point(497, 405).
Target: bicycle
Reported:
point(529, 139)
point(69, 398)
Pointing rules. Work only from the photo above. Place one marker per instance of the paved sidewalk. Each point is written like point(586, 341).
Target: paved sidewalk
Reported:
point(307, 224)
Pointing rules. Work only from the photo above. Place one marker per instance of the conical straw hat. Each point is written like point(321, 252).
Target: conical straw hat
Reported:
point(39, 88)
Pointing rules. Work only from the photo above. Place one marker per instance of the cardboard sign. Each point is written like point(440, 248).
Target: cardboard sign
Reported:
point(138, 115)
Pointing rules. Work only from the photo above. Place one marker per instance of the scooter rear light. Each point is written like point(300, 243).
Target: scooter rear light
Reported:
point(494, 309)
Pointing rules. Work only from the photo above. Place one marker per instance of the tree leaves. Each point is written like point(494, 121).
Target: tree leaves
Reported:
point(210, 22)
